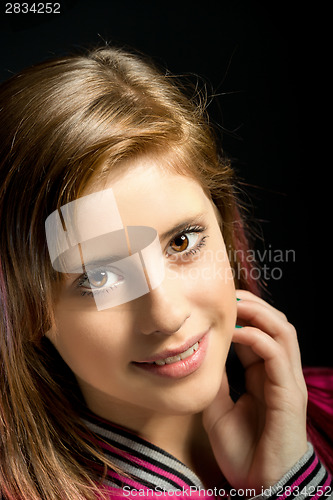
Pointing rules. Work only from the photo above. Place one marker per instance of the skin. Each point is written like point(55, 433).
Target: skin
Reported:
point(256, 440)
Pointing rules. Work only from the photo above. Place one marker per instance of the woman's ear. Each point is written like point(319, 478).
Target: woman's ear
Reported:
point(51, 334)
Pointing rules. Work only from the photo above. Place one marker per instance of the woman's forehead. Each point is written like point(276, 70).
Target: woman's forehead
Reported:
point(125, 224)
point(149, 193)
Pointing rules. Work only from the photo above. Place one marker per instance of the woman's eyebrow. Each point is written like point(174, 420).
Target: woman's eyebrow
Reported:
point(189, 221)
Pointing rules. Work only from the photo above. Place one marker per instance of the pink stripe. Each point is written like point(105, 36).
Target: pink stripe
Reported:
point(127, 480)
point(114, 474)
point(146, 465)
point(321, 489)
point(118, 493)
point(166, 495)
point(300, 479)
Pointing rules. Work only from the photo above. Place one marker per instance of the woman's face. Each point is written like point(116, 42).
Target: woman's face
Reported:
point(165, 351)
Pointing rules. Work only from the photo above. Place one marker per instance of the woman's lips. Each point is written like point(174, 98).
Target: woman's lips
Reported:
point(179, 362)
point(183, 355)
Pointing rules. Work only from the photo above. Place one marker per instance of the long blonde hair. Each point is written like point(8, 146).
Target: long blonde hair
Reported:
point(65, 122)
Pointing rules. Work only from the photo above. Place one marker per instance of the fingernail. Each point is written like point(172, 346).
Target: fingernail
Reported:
point(238, 299)
point(238, 326)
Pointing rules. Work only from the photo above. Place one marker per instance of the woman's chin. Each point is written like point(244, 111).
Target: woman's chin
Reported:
point(192, 402)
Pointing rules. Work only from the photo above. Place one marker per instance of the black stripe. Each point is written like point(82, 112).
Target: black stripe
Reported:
point(140, 455)
point(305, 482)
point(149, 471)
point(313, 473)
point(131, 437)
point(311, 489)
point(296, 475)
point(124, 482)
point(150, 460)
point(321, 485)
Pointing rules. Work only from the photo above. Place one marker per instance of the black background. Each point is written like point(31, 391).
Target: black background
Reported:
point(258, 58)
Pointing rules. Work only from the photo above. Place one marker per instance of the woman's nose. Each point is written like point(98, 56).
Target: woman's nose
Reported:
point(165, 309)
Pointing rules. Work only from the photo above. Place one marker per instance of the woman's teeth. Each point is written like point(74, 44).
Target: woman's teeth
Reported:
point(178, 357)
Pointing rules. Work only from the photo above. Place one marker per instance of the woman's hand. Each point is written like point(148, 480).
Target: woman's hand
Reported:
point(260, 437)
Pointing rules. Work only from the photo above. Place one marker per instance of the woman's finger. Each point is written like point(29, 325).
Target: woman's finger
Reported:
point(249, 296)
point(277, 365)
point(256, 314)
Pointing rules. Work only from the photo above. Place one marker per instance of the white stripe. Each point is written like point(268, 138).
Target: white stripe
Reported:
point(148, 452)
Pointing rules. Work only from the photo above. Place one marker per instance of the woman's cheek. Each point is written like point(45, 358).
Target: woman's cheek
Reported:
point(79, 338)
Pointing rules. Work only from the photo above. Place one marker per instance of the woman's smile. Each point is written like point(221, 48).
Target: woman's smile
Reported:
point(179, 362)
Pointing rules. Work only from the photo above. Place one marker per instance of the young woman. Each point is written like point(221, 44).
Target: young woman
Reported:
point(124, 281)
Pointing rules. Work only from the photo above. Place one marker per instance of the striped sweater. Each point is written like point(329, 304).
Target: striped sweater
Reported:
point(145, 468)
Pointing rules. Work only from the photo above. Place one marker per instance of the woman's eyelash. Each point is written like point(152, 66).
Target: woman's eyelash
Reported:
point(198, 247)
point(188, 230)
point(191, 229)
point(90, 293)
point(80, 283)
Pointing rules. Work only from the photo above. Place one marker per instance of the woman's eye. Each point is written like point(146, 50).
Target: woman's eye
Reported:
point(99, 279)
point(183, 242)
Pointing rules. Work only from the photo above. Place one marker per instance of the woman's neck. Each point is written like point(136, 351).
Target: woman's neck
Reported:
point(183, 436)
